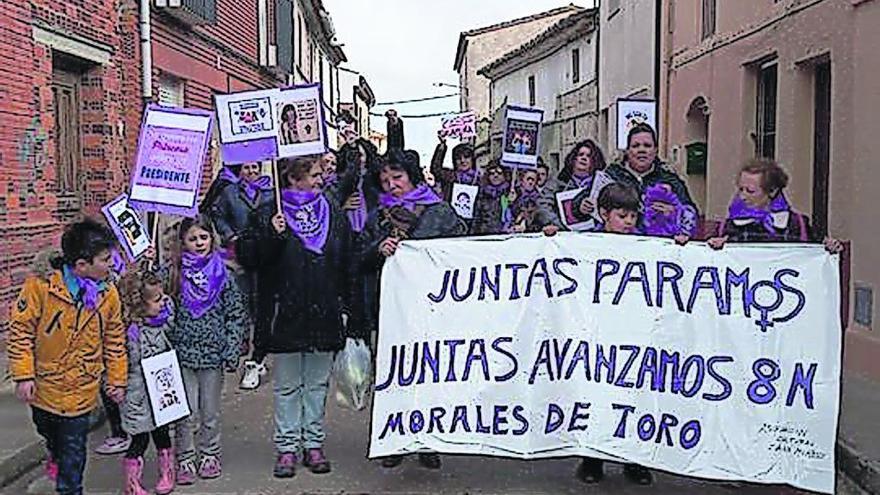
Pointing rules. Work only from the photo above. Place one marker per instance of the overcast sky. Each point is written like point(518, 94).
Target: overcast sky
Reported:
point(403, 47)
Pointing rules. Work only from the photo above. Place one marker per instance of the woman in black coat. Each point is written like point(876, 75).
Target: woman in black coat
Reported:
point(408, 209)
point(305, 278)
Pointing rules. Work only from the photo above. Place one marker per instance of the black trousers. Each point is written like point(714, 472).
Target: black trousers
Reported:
point(141, 441)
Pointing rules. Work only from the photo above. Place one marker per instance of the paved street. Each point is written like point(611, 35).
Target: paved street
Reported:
point(249, 459)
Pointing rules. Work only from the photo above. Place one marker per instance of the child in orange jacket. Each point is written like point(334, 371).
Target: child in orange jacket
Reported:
point(66, 327)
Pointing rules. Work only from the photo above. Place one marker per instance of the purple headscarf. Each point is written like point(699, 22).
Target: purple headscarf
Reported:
point(308, 216)
point(421, 195)
point(656, 223)
point(202, 279)
point(739, 210)
point(250, 188)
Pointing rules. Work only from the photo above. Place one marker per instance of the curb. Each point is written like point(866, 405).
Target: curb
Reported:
point(32, 455)
point(863, 472)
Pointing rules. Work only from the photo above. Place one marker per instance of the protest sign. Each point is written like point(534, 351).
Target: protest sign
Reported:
point(522, 134)
point(168, 169)
point(714, 364)
point(165, 388)
point(461, 126)
point(463, 198)
point(302, 128)
point(248, 126)
point(631, 112)
point(132, 234)
point(565, 204)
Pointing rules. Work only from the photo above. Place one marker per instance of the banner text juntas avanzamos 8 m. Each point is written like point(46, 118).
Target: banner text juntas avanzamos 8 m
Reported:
point(714, 364)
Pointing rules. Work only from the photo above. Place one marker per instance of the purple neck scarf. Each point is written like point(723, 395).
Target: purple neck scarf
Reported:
point(467, 177)
point(251, 189)
point(308, 216)
point(739, 210)
point(134, 331)
point(421, 195)
point(495, 192)
point(202, 279)
point(584, 181)
point(118, 263)
point(83, 289)
point(657, 224)
point(331, 180)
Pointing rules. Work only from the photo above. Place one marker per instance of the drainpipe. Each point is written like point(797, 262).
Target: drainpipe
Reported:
point(146, 53)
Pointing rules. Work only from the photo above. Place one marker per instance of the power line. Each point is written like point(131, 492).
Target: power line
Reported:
point(415, 100)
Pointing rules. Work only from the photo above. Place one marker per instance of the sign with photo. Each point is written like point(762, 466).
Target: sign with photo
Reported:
point(165, 388)
point(565, 203)
point(522, 134)
point(302, 129)
point(632, 112)
point(464, 197)
point(126, 223)
point(171, 150)
point(460, 126)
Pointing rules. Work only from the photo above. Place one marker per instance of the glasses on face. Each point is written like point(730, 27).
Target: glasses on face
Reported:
point(495, 172)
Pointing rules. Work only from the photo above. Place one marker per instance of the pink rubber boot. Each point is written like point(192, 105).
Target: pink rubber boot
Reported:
point(166, 482)
point(134, 471)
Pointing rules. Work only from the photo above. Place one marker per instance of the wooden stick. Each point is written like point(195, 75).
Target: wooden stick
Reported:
point(277, 179)
point(154, 234)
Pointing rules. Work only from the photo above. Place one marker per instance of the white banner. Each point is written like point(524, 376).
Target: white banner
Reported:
point(720, 365)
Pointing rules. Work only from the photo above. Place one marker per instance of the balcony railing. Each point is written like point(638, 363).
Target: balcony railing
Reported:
point(193, 12)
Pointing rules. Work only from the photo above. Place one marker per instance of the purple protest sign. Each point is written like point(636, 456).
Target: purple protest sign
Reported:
point(249, 151)
point(168, 169)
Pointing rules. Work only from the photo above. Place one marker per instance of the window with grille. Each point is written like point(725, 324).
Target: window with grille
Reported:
point(765, 138)
point(576, 65)
point(709, 18)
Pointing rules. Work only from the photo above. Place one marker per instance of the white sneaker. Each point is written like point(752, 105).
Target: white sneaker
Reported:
point(253, 370)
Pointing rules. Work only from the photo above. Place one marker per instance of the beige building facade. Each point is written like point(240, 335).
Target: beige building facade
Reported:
point(479, 47)
point(793, 80)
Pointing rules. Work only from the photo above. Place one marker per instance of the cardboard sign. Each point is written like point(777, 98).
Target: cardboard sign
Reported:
point(632, 112)
point(171, 150)
point(165, 388)
point(126, 223)
point(248, 126)
point(721, 365)
point(302, 129)
point(522, 135)
point(461, 126)
point(464, 197)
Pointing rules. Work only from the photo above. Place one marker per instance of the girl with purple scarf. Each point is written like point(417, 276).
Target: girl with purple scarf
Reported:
point(760, 212)
point(581, 165)
point(408, 209)
point(305, 279)
point(211, 322)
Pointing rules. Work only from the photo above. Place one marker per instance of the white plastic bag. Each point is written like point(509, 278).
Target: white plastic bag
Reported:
point(353, 371)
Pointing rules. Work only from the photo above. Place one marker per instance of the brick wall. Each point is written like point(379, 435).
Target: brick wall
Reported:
point(33, 210)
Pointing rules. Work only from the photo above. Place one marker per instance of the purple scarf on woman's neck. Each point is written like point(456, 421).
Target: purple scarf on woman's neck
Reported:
point(421, 195)
point(308, 216)
point(658, 224)
point(250, 188)
point(202, 279)
point(495, 191)
point(739, 210)
point(468, 176)
point(582, 181)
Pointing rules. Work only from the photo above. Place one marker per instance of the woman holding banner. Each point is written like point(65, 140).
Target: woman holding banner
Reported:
point(409, 209)
point(304, 256)
point(760, 212)
point(655, 182)
point(579, 173)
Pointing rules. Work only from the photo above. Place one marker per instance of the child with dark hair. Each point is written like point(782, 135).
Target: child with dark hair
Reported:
point(148, 314)
point(619, 208)
point(66, 327)
point(207, 335)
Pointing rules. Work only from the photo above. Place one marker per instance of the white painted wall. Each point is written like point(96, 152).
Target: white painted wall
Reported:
point(553, 75)
point(626, 58)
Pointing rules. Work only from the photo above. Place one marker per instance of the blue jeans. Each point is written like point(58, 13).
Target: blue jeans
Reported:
point(300, 383)
point(66, 440)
